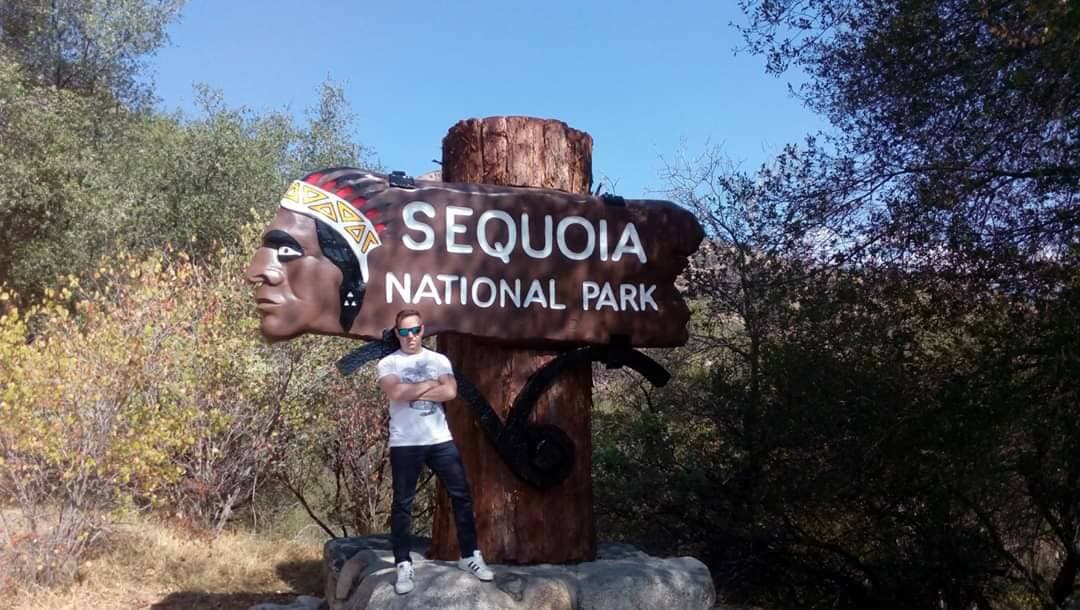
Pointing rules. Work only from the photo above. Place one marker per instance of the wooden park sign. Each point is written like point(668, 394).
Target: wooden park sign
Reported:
point(509, 277)
point(517, 265)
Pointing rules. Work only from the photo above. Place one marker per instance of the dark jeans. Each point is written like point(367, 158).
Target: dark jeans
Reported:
point(443, 459)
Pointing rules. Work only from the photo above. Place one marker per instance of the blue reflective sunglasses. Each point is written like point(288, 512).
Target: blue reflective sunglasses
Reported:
point(405, 332)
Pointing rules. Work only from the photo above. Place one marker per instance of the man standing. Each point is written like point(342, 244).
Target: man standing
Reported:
point(417, 381)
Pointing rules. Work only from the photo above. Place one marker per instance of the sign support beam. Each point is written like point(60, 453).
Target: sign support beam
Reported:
point(518, 523)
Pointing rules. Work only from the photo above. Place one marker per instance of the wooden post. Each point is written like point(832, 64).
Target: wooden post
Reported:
point(516, 523)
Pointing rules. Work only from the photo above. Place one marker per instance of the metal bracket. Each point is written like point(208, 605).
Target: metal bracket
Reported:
point(401, 180)
point(540, 454)
point(615, 357)
point(613, 200)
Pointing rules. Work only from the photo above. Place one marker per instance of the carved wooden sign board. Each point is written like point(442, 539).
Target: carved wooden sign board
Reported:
point(516, 265)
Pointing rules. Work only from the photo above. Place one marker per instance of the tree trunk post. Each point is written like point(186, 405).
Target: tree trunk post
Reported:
point(517, 523)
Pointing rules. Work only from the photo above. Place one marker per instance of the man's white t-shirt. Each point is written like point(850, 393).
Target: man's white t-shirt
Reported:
point(416, 422)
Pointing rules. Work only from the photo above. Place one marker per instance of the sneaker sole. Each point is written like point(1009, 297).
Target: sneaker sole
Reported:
point(468, 570)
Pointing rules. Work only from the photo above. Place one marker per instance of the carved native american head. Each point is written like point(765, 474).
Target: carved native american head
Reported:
point(310, 271)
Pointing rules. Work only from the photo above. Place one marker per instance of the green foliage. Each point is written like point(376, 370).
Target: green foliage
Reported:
point(90, 170)
point(51, 143)
point(885, 389)
point(192, 182)
point(148, 386)
point(132, 371)
point(326, 142)
point(85, 177)
point(84, 46)
point(955, 123)
point(852, 435)
point(133, 374)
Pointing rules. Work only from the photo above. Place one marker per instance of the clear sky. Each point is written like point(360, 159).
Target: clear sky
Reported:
point(648, 80)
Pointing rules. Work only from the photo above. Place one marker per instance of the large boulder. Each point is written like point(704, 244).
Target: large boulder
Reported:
point(361, 574)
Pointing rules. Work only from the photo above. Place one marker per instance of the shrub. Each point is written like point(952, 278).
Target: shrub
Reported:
point(147, 385)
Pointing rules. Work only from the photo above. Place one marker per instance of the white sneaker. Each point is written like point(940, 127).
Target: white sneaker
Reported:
point(475, 565)
point(404, 582)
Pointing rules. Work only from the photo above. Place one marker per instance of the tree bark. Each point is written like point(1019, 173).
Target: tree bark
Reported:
point(517, 523)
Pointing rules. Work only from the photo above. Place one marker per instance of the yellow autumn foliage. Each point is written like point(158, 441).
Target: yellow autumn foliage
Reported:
point(145, 385)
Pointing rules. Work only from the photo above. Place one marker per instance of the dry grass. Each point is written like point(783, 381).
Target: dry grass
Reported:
point(153, 565)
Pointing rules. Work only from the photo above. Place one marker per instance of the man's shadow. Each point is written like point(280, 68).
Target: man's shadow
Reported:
point(188, 600)
point(303, 577)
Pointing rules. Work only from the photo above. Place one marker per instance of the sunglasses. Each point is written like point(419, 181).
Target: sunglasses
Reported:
point(405, 332)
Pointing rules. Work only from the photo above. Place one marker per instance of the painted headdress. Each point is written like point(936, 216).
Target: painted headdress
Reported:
point(337, 198)
point(347, 226)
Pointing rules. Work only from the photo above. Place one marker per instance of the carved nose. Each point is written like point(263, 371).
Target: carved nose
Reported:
point(263, 269)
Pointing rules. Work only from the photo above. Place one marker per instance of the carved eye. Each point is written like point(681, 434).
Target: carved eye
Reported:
point(286, 254)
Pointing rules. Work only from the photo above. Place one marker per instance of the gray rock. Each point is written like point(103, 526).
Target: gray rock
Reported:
point(361, 574)
point(616, 584)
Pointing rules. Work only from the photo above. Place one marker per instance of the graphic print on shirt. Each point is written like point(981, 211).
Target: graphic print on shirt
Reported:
point(420, 371)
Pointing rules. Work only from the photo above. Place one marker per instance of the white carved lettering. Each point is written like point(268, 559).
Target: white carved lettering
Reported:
point(453, 228)
point(409, 216)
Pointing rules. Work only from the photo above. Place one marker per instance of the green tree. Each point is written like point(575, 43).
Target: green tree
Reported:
point(90, 169)
point(84, 177)
point(955, 165)
point(328, 140)
point(91, 47)
point(54, 144)
point(883, 345)
point(792, 450)
point(955, 122)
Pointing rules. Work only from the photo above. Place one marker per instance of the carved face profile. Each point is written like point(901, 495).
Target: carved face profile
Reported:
point(310, 271)
point(297, 287)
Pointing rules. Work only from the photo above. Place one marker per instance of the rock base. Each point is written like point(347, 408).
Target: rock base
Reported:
point(361, 574)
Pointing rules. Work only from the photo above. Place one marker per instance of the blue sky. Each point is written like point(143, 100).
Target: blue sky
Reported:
point(648, 80)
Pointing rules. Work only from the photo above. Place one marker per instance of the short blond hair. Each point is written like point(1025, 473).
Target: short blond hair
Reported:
point(405, 313)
